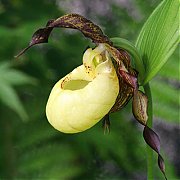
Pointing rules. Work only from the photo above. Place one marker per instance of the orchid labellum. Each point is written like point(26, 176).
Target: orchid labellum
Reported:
point(84, 96)
point(103, 84)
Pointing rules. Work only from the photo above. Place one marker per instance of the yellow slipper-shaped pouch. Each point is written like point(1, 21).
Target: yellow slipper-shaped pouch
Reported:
point(83, 97)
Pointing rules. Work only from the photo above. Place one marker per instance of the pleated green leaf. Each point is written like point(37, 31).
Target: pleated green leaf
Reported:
point(15, 77)
point(159, 37)
point(166, 104)
point(9, 97)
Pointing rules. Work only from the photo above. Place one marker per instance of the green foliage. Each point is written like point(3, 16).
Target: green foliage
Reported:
point(159, 37)
point(8, 78)
point(33, 149)
point(165, 90)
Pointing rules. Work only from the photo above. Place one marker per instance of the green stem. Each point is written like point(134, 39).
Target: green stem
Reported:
point(150, 164)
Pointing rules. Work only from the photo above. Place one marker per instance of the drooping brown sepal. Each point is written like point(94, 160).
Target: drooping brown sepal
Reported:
point(73, 21)
point(40, 36)
point(87, 27)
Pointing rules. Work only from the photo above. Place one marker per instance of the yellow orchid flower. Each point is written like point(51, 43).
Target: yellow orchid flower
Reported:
point(83, 97)
point(102, 85)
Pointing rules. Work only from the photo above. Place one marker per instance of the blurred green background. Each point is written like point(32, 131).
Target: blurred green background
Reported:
point(29, 146)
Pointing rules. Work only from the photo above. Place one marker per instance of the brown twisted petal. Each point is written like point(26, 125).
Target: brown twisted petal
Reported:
point(129, 79)
point(125, 94)
point(125, 88)
point(152, 139)
point(73, 21)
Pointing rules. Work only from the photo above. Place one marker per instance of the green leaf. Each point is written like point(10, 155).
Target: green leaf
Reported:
point(12, 76)
point(170, 69)
point(159, 37)
point(4, 65)
point(165, 103)
point(9, 97)
point(15, 77)
point(50, 161)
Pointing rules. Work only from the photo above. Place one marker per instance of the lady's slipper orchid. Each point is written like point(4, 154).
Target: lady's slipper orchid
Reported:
point(102, 85)
point(83, 97)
